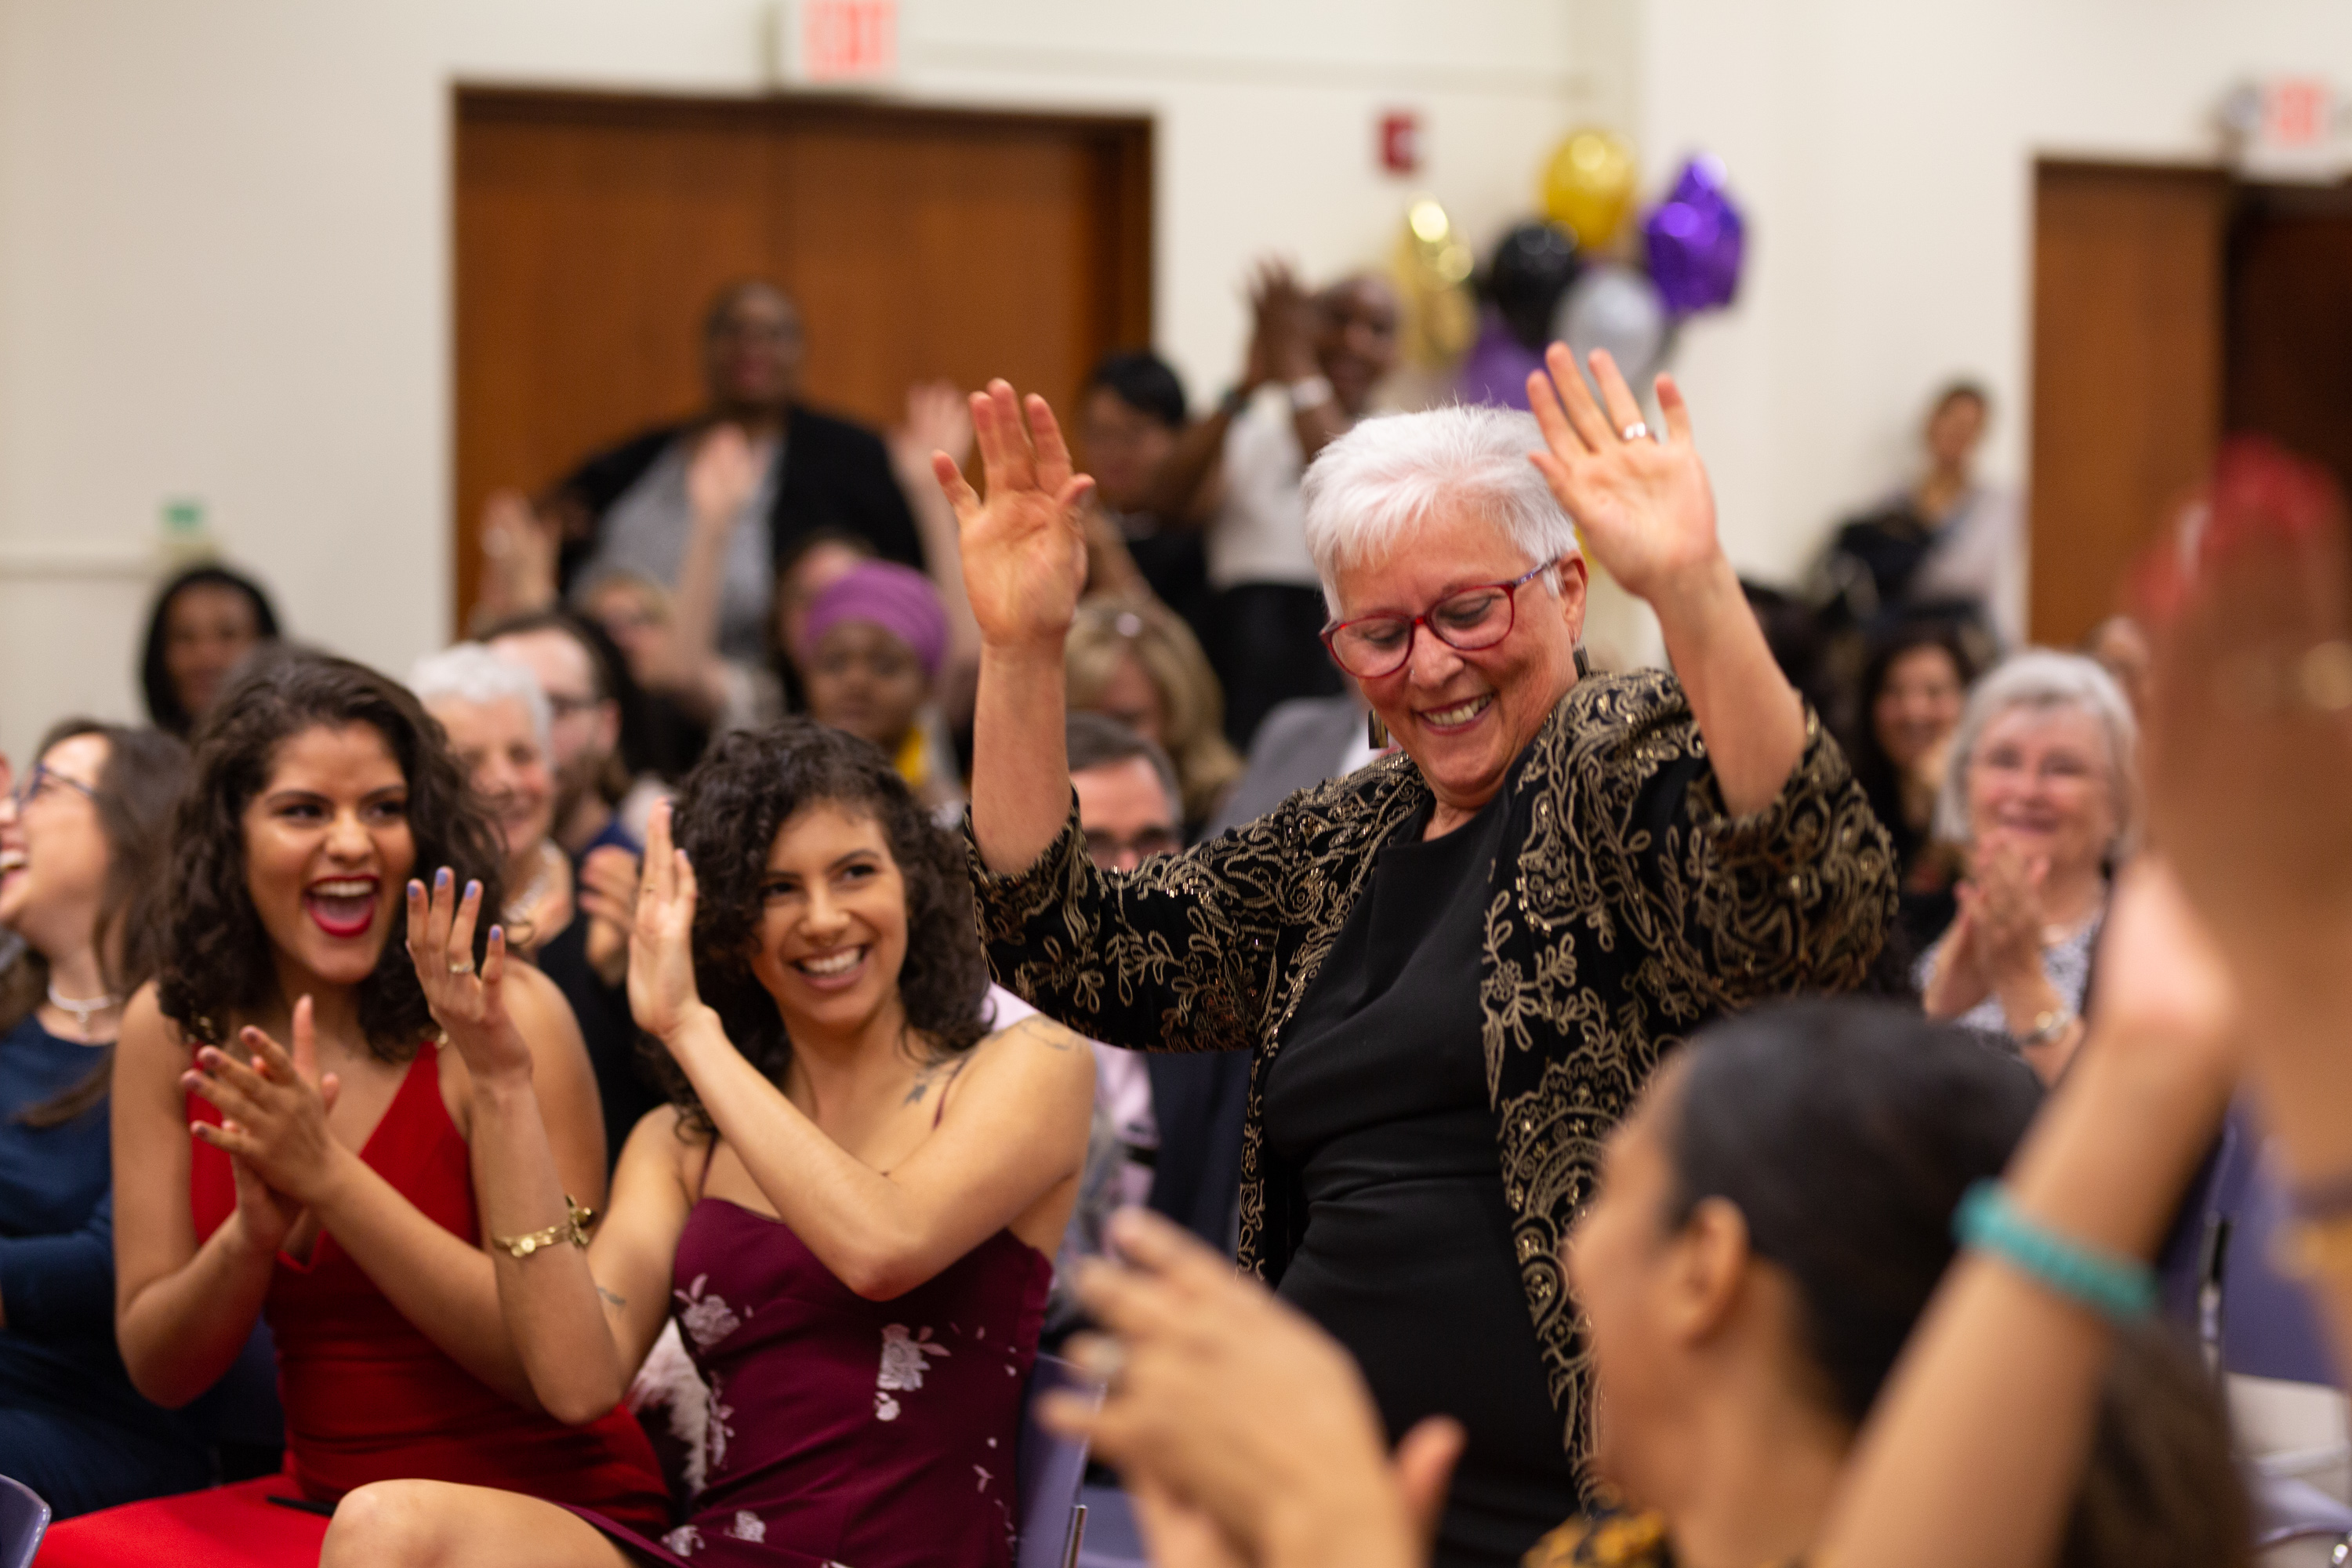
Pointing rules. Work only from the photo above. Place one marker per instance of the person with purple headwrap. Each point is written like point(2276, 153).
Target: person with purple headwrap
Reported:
point(871, 651)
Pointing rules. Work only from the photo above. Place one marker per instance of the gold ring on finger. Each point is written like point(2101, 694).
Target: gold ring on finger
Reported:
point(461, 966)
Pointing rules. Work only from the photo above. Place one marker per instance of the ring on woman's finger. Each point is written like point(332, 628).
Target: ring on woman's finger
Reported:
point(461, 966)
point(1635, 431)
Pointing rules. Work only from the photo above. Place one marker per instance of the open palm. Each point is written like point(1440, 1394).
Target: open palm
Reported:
point(1644, 507)
point(1024, 550)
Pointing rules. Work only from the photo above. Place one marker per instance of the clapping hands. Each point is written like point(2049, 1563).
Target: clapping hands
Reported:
point(663, 996)
point(273, 1106)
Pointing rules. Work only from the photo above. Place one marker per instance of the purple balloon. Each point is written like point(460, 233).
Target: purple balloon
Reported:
point(1695, 240)
point(1496, 371)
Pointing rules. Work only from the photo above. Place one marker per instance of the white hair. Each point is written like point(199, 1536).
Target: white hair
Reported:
point(1371, 488)
point(2044, 679)
point(469, 673)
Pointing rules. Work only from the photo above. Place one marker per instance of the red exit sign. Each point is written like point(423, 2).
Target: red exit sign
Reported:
point(844, 42)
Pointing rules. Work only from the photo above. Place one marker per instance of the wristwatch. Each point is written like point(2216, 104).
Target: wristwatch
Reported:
point(2047, 1028)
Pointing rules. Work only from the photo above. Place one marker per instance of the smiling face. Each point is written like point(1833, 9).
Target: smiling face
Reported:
point(751, 351)
point(1918, 704)
point(2039, 778)
point(54, 851)
point(498, 748)
point(1356, 339)
point(833, 921)
point(1465, 717)
point(582, 731)
point(327, 850)
point(867, 681)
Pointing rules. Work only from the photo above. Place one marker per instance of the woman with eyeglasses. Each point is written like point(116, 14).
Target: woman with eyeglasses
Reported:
point(1458, 966)
point(82, 842)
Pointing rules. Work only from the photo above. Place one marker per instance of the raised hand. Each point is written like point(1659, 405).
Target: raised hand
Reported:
point(2249, 727)
point(1643, 506)
point(469, 1005)
point(1282, 345)
point(273, 1108)
point(519, 548)
point(1024, 549)
point(721, 476)
point(608, 897)
point(2002, 899)
point(663, 996)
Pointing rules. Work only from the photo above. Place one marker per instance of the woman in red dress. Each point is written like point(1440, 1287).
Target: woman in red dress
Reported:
point(328, 1181)
point(849, 1206)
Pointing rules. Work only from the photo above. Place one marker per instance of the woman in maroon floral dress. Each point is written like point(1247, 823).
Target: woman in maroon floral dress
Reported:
point(849, 1205)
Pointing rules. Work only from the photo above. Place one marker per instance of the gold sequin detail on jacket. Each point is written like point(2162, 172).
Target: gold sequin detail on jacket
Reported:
point(1626, 910)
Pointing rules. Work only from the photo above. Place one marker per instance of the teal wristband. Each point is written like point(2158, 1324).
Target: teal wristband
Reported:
point(2121, 1289)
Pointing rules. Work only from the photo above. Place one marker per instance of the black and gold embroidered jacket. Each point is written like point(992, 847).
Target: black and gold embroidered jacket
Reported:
point(1627, 909)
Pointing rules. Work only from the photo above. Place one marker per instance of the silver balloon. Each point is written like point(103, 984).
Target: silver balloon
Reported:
point(1617, 307)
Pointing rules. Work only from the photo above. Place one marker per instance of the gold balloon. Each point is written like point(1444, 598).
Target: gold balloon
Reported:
point(1432, 269)
point(1589, 185)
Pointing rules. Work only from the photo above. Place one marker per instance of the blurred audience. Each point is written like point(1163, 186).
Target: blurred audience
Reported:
point(872, 648)
point(1134, 660)
point(1313, 364)
point(630, 506)
point(2041, 795)
point(1947, 543)
point(2119, 643)
point(1193, 1104)
point(205, 620)
point(574, 666)
point(1302, 742)
point(1130, 414)
point(1905, 712)
point(82, 851)
point(497, 721)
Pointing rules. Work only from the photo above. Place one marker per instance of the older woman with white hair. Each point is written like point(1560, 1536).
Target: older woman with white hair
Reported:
point(1456, 968)
point(498, 721)
point(2041, 797)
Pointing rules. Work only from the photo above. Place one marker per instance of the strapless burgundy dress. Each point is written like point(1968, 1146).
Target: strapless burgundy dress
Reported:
point(845, 1432)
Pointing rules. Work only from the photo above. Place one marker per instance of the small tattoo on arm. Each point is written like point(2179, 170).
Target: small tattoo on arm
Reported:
point(611, 1299)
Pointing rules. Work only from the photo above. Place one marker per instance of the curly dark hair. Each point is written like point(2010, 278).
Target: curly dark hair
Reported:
point(744, 790)
point(216, 961)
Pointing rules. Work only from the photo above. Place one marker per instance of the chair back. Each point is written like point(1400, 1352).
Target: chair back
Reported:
point(23, 1519)
point(1048, 1471)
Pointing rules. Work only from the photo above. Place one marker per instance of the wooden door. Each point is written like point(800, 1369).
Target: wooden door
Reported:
point(2290, 323)
point(592, 232)
point(2127, 364)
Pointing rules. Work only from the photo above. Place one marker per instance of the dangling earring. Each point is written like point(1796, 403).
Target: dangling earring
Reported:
point(1583, 663)
point(1376, 734)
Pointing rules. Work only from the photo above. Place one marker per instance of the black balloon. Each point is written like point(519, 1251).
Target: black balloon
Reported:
point(1533, 265)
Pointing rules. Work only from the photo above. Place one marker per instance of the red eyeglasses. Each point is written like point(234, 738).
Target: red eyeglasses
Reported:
point(1467, 619)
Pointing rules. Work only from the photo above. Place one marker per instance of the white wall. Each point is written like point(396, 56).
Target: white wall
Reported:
point(224, 244)
point(1884, 153)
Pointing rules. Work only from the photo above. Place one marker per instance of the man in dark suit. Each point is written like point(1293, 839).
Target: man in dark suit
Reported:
point(627, 508)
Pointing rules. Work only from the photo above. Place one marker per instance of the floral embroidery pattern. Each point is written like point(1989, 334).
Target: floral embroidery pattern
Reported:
point(748, 1526)
point(721, 1429)
point(902, 1367)
point(706, 1319)
point(685, 1540)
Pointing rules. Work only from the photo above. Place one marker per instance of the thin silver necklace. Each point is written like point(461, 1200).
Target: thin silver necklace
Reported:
point(83, 1008)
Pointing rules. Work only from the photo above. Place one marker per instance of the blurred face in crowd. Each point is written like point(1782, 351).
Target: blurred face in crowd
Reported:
point(635, 616)
point(207, 627)
point(1918, 705)
point(832, 919)
point(1132, 697)
point(1954, 429)
point(814, 569)
point(864, 680)
point(1464, 717)
point(53, 849)
point(328, 852)
point(498, 748)
point(752, 353)
point(2039, 778)
point(1123, 446)
point(1356, 338)
point(1124, 813)
point(583, 730)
